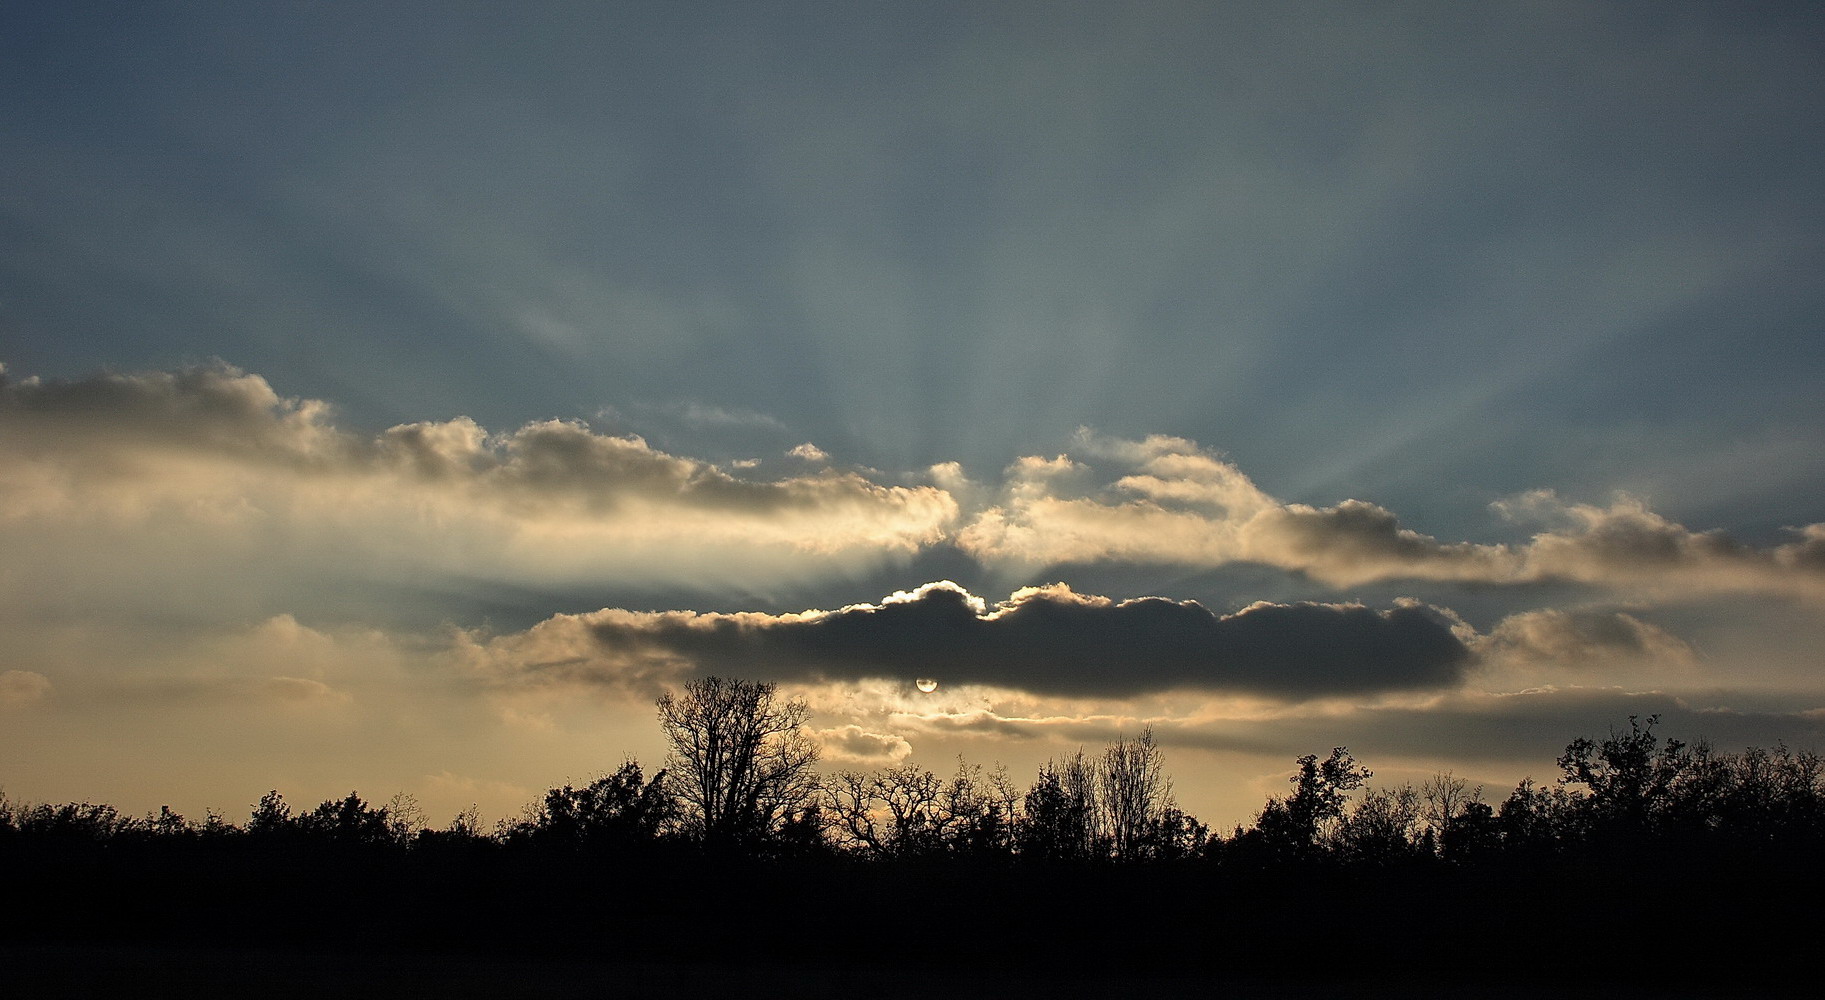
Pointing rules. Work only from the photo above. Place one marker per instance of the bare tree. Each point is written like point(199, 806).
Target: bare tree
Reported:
point(984, 809)
point(1079, 775)
point(466, 825)
point(908, 811)
point(740, 760)
point(1132, 794)
point(1445, 797)
point(404, 817)
point(888, 814)
point(1381, 827)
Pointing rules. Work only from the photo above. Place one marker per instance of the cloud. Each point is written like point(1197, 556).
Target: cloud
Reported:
point(303, 690)
point(1531, 727)
point(449, 787)
point(114, 482)
point(1171, 502)
point(563, 652)
point(23, 687)
point(809, 452)
point(1177, 503)
point(697, 414)
point(993, 725)
point(1512, 734)
point(1568, 638)
point(1047, 640)
point(855, 745)
point(1628, 544)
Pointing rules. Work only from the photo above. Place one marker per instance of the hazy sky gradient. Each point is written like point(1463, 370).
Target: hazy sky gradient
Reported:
point(376, 377)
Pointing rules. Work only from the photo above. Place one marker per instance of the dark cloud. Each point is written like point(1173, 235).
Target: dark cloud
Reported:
point(1053, 641)
point(214, 408)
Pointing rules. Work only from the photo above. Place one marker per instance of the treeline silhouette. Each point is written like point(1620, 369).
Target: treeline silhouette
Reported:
point(1628, 793)
point(1648, 860)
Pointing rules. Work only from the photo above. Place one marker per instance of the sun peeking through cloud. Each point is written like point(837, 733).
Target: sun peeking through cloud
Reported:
point(1048, 640)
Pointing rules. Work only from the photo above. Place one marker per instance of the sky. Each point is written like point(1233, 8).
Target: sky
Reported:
point(400, 397)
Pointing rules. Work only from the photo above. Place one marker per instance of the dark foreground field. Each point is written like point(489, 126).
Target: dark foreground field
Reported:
point(55, 971)
point(334, 927)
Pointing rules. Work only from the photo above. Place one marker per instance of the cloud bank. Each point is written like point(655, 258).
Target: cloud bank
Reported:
point(1174, 502)
point(214, 459)
point(211, 465)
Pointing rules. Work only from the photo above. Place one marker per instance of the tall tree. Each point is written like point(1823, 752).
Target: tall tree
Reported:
point(1133, 794)
point(740, 759)
point(1629, 775)
point(1292, 827)
point(1060, 815)
point(1444, 798)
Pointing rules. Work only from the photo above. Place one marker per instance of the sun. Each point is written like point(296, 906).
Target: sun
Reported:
point(926, 685)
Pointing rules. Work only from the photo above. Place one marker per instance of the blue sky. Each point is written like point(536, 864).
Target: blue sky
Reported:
point(1502, 273)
